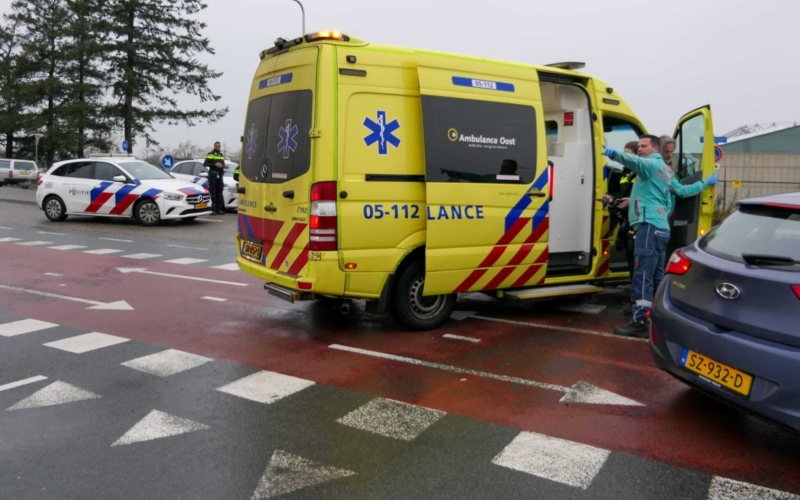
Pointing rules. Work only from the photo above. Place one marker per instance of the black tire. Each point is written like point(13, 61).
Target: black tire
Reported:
point(147, 213)
point(413, 311)
point(54, 209)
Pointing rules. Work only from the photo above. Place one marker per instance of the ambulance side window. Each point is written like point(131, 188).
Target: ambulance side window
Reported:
point(254, 150)
point(478, 141)
point(689, 146)
point(288, 143)
point(618, 132)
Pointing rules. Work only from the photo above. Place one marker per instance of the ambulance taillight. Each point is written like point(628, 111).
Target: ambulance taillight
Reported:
point(324, 220)
point(552, 175)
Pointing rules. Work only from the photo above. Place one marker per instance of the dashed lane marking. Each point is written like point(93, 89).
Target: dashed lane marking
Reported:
point(54, 234)
point(115, 239)
point(24, 326)
point(185, 261)
point(87, 342)
point(56, 393)
point(103, 251)
point(559, 460)
point(166, 363)
point(392, 419)
point(9, 240)
point(157, 425)
point(214, 299)
point(189, 248)
point(227, 267)
point(459, 337)
point(34, 243)
point(20, 383)
point(68, 247)
point(287, 473)
point(9, 228)
point(728, 489)
point(142, 256)
point(53, 274)
point(266, 387)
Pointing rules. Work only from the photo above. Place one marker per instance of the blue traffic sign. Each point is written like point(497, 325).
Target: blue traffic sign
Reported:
point(717, 154)
point(124, 145)
point(167, 162)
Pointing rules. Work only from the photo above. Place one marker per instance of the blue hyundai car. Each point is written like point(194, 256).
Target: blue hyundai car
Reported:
point(726, 318)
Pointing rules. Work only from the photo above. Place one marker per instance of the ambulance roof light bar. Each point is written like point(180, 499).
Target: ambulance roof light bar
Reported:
point(568, 65)
point(327, 35)
point(282, 44)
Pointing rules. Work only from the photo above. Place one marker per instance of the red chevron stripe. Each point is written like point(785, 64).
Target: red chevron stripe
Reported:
point(513, 231)
point(523, 252)
point(498, 280)
point(492, 257)
point(473, 278)
point(537, 234)
point(295, 233)
point(526, 276)
point(268, 234)
point(124, 204)
point(98, 202)
point(605, 243)
point(542, 258)
point(603, 267)
point(300, 262)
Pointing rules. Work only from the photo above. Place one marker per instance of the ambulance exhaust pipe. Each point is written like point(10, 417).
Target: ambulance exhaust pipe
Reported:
point(344, 307)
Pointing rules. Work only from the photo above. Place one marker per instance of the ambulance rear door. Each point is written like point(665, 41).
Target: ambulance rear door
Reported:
point(487, 181)
point(693, 161)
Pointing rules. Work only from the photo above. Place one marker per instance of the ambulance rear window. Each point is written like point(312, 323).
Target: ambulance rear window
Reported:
point(277, 147)
point(478, 141)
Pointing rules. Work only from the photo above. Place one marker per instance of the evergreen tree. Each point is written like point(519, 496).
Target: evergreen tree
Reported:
point(152, 58)
point(12, 98)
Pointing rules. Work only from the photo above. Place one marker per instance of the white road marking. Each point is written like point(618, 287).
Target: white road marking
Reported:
point(20, 383)
point(461, 315)
point(214, 299)
point(24, 326)
point(157, 425)
point(2, 227)
point(728, 489)
point(166, 363)
point(142, 256)
point(185, 261)
point(459, 337)
point(210, 220)
point(68, 247)
point(189, 248)
point(9, 240)
point(34, 243)
point(119, 305)
point(580, 392)
point(103, 251)
point(287, 473)
point(114, 239)
point(227, 267)
point(86, 342)
point(551, 458)
point(581, 308)
point(128, 270)
point(266, 387)
point(56, 393)
point(53, 274)
point(54, 234)
point(392, 419)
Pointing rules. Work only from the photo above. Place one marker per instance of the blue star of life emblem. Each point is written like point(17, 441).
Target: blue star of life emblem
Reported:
point(382, 133)
point(287, 142)
point(251, 141)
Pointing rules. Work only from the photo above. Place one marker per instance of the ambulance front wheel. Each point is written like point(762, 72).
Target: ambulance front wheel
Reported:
point(413, 310)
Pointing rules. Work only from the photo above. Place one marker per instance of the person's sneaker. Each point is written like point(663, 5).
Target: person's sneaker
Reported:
point(632, 329)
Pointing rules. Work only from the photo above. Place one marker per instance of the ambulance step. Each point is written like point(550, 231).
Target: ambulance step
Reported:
point(284, 293)
point(551, 291)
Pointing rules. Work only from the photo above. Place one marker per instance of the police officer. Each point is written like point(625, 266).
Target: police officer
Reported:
point(215, 163)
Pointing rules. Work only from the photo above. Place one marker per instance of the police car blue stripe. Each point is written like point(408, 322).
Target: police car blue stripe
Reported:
point(152, 193)
point(482, 84)
point(122, 193)
point(99, 190)
point(275, 80)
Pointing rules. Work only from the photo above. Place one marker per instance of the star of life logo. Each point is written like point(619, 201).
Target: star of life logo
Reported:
point(287, 142)
point(251, 141)
point(382, 133)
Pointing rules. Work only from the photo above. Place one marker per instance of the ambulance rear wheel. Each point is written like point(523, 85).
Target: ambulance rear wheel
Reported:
point(413, 310)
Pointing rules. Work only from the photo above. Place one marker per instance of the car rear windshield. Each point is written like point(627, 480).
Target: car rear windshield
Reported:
point(766, 232)
point(144, 171)
point(24, 165)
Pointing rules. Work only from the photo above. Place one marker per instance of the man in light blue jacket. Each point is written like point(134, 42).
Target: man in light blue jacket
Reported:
point(651, 204)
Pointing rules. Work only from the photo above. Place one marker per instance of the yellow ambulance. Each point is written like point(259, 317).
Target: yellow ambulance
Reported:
point(404, 177)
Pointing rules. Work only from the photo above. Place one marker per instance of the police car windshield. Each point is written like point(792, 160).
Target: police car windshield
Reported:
point(144, 171)
point(231, 168)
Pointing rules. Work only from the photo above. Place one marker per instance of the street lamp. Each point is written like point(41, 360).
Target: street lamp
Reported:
point(304, 15)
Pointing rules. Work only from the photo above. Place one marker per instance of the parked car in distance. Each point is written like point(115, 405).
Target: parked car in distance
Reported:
point(726, 317)
point(190, 170)
point(18, 172)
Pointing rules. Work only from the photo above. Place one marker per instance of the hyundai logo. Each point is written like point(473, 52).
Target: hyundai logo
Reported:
point(728, 291)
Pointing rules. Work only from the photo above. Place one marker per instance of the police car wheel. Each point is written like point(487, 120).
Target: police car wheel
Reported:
point(54, 209)
point(413, 310)
point(148, 214)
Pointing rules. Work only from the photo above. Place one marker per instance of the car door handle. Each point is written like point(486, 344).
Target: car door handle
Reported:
point(288, 194)
point(537, 195)
point(271, 209)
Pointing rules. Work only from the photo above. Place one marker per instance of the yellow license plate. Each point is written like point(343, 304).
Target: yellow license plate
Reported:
point(252, 251)
point(26, 174)
point(716, 372)
point(201, 206)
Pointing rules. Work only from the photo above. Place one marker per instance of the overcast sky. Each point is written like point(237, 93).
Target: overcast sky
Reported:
point(665, 58)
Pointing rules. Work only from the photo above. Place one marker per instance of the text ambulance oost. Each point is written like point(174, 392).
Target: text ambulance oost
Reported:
point(405, 177)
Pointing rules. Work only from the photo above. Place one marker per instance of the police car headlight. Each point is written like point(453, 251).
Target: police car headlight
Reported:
point(172, 196)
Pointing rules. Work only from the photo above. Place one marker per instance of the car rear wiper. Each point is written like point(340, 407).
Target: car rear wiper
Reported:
point(771, 260)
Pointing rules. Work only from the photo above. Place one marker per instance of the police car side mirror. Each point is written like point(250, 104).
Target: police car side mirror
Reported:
point(120, 178)
point(204, 174)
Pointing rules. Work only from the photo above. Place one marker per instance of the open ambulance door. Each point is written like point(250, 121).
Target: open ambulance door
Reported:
point(693, 161)
point(487, 181)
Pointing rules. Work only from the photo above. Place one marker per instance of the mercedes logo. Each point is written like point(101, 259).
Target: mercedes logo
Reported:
point(728, 291)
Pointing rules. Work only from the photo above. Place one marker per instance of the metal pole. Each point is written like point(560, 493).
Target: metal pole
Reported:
point(304, 15)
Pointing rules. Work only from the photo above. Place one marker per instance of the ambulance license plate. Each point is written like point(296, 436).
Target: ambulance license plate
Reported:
point(201, 206)
point(716, 372)
point(252, 251)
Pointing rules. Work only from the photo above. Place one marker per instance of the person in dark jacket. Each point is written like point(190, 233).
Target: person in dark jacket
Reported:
point(215, 163)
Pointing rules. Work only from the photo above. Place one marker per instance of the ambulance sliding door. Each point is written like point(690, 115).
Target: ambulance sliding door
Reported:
point(486, 174)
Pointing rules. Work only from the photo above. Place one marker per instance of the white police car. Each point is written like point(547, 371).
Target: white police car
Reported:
point(118, 187)
point(191, 171)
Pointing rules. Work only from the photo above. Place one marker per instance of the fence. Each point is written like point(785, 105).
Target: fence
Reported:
point(752, 175)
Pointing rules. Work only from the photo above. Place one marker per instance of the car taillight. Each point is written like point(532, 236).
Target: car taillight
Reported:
point(653, 336)
point(324, 220)
point(551, 174)
point(796, 289)
point(678, 263)
point(11, 175)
